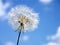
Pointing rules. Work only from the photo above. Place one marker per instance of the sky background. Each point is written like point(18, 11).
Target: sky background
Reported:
point(48, 31)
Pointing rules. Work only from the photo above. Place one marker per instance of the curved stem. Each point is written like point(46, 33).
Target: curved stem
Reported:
point(18, 37)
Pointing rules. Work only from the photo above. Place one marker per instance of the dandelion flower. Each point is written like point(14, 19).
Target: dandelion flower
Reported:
point(23, 18)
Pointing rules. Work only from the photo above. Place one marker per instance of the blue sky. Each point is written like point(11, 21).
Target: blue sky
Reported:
point(48, 31)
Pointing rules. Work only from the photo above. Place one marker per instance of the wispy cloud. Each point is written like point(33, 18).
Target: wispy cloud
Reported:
point(54, 39)
point(3, 8)
point(46, 1)
point(25, 38)
point(9, 43)
point(56, 36)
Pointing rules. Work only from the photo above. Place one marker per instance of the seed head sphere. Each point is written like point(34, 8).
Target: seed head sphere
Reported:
point(23, 18)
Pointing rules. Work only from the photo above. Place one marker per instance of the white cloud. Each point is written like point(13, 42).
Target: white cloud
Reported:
point(46, 1)
point(52, 43)
point(9, 43)
point(55, 39)
point(25, 38)
point(3, 8)
point(56, 36)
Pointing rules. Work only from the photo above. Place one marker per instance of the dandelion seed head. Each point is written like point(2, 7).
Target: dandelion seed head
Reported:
point(24, 18)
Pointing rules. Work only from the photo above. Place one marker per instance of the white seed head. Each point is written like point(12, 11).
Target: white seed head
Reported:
point(23, 18)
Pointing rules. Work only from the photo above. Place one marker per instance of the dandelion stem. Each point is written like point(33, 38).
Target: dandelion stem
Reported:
point(18, 37)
